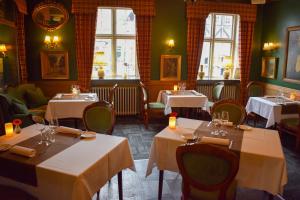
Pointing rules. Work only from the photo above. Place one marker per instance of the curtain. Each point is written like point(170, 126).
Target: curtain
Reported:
point(85, 29)
point(195, 38)
point(21, 48)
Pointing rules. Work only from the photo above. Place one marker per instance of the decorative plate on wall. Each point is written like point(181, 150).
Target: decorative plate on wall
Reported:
point(50, 15)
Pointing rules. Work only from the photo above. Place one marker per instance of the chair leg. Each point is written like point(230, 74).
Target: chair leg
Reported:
point(146, 119)
point(98, 194)
point(297, 143)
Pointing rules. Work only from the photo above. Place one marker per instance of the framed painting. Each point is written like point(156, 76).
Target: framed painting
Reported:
point(55, 65)
point(291, 70)
point(170, 67)
point(269, 67)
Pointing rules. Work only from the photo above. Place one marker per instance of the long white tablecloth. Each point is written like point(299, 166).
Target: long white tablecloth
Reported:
point(60, 108)
point(262, 162)
point(79, 171)
point(183, 99)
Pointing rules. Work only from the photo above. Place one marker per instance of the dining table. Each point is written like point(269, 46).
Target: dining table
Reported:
point(68, 105)
point(269, 107)
point(71, 168)
point(262, 164)
point(181, 99)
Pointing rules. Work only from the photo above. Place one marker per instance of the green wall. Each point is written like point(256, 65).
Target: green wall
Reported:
point(35, 37)
point(277, 16)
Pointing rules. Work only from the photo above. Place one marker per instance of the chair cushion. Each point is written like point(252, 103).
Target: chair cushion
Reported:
point(19, 107)
point(15, 92)
point(156, 105)
point(35, 98)
point(98, 119)
point(256, 91)
point(210, 104)
point(290, 123)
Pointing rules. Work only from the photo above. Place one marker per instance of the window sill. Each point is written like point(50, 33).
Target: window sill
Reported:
point(111, 81)
point(212, 81)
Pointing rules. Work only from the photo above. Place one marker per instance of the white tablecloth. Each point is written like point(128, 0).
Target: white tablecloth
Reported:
point(262, 162)
point(67, 107)
point(266, 109)
point(184, 99)
point(79, 171)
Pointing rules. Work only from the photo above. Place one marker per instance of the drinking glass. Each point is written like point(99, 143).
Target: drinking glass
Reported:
point(42, 128)
point(216, 122)
point(53, 124)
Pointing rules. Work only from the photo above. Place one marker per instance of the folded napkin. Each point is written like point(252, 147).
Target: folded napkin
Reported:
point(23, 151)
point(187, 135)
point(196, 93)
point(168, 92)
point(227, 123)
point(67, 130)
point(212, 140)
point(58, 96)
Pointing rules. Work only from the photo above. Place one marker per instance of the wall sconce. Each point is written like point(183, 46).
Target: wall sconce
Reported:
point(3, 49)
point(269, 46)
point(52, 42)
point(171, 43)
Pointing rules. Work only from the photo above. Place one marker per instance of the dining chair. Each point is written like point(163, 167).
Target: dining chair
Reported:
point(8, 192)
point(208, 171)
point(290, 125)
point(147, 107)
point(216, 93)
point(112, 95)
point(99, 117)
point(237, 112)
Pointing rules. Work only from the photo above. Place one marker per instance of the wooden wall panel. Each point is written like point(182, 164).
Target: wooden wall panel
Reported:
point(50, 88)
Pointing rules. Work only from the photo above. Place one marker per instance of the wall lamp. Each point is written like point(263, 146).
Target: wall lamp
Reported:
point(52, 42)
point(269, 46)
point(171, 43)
point(3, 49)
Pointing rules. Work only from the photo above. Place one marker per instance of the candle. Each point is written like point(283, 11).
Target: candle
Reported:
point(175, 87)
point(293, 96)
point(9, 129)
point(172, 122)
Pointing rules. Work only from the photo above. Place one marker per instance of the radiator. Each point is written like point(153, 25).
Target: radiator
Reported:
point(229, 91)
point(126, 99)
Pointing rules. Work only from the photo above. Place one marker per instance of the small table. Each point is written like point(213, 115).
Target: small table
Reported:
point(69, 106)
point(268, 107)
point(74, 173)
point(261, 156)
point(181, 99)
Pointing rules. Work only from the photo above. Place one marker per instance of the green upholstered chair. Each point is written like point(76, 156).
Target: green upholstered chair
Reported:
point(208, 172)
point(237, 112)
point(99, 117)
point(216, 93)
point(290, 125)
point(147, 107)
point(112, 94)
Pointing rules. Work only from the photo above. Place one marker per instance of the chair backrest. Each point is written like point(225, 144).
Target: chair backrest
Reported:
point(237, 112)
point(112, 94)
point(290, 108)
point(217, 91)
point(144, 97)
point(255, 89)
point(206, 168)
point(99, 117)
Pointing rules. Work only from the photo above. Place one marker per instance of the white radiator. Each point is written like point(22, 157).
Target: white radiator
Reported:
point(229, 91)
point(126, 99)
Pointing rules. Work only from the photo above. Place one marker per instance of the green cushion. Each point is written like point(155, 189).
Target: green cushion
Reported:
point(256, 91)
point(156, 105)
point(15, 92)
point(98, 119)
point(235, 113)
point(217, 91)
point(35, 98)
point(19, 107)
point(210, 104)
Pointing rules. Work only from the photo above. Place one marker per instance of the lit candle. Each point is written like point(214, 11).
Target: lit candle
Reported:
point(175, 87)
point(172, 122)
point(9, 129)
point(293, 96)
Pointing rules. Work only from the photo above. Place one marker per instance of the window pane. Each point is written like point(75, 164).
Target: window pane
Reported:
point(104, 19)
point(220, 51)
point(205, 58)
point(125, 20)
point(126, 59)
point(207, 33)
point(224, 24)
point(105, 46)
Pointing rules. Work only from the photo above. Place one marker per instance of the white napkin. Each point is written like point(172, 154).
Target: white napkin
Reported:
point(58, 96)
point(186, 133)
point(212, 140)
point(67, 130)
point(23, 151)
point(168, 92)
point(196, 93)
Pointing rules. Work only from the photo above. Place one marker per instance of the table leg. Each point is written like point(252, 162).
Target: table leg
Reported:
point(120, 185)
point(160, 184)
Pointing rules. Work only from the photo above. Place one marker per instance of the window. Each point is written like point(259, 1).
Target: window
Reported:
point(116, 38)
point(220, 47)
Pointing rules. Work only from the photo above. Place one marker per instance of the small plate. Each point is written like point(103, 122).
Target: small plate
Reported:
point(88, 134)
point(4, 147)
point(245, 127)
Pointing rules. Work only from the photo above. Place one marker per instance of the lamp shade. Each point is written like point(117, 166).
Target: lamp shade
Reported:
point(99, 59)
point(3, 48)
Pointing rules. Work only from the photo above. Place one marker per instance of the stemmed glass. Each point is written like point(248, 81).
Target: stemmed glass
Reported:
point(41, 126)
point(225, 119)
point(53, 124)
point(216, 122)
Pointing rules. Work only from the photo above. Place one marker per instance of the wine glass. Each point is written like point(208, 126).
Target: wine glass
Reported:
point(53, 124)
point(216, 122)
point(41, 127)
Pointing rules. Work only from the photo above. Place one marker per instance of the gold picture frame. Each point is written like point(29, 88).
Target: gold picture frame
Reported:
point(55, 65)
point(170, 67)
point(269, 67)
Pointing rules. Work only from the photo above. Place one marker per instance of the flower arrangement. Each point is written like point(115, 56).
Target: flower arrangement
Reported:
point(17, 123)
point(173, 114)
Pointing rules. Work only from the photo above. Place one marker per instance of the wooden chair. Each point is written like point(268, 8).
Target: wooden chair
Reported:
point(99, 117)
point(237, 112)
point(207, 171)
point(112, 95)
point(290, 125)
point(11, 193)
point(147, 107)
point(216, 93)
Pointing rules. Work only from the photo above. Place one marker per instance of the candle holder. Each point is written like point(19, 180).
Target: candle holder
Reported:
point(9, 129)
point(172, 122)
point(175, 88)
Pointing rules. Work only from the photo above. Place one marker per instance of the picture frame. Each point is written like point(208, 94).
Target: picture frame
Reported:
point(170, 67)
point(291, 69)
point(269, 67)
point(55, 64)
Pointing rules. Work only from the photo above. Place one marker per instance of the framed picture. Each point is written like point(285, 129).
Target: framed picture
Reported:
point(170, 67)
point(291, 70)
point(55, 65)
point(269, 67)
